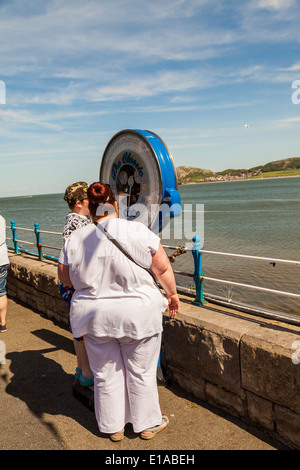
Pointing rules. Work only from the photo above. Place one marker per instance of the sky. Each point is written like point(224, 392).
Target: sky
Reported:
point(73, 74)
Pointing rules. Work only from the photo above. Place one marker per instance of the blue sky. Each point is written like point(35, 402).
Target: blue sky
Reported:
point(192, 71)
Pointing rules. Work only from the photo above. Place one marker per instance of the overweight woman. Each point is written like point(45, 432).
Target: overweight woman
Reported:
point(118, 309)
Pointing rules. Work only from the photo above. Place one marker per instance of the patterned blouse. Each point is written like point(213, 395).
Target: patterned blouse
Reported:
point(73, 222)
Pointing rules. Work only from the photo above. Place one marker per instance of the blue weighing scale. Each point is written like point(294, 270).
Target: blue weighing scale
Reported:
point(140, 170)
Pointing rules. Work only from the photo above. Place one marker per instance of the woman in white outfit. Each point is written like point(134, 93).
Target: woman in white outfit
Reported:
point(118, 309)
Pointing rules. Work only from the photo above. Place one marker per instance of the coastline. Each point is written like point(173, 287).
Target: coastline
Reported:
point(241, 179)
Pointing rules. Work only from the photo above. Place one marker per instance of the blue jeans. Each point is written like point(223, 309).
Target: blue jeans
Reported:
point(3, 276)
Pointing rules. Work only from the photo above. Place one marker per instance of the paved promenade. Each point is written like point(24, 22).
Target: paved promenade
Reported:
point(39, 412)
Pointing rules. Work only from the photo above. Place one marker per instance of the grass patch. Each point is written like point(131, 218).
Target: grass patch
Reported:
point(275, 174)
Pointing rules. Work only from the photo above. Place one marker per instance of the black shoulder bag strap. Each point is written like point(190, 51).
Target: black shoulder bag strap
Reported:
point(118, 245)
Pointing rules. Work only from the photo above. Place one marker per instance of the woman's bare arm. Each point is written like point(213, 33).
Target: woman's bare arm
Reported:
point(63, 274)
point(163, 271)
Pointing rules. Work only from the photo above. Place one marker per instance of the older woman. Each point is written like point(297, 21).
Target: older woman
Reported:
point(118, 309)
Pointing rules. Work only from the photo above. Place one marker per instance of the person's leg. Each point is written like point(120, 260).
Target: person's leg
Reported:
point(3, 310)
point(82, 360)
point(109, 383)
point(140, 359)
point(76, 348)
point(3, 297)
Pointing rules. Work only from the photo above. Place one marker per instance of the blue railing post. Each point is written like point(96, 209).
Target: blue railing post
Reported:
point(38, 240)
point(198, 275)
point(14, 234)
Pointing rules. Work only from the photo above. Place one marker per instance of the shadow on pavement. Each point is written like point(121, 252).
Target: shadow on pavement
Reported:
point(44, 386)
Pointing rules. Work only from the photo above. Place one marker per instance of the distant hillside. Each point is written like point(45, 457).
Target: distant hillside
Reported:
point(189, 174)
point(285, 164)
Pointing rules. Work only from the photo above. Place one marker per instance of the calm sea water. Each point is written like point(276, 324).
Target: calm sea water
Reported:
point(257, 217)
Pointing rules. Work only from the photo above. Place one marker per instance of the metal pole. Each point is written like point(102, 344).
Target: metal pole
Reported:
point(198, 275)
point(38, 240)
point(14, 234)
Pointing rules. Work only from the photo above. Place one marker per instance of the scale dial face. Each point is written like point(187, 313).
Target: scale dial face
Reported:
point(130, 166)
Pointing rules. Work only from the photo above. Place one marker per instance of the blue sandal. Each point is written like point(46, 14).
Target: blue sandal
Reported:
point(77, 373)
point(85, 382)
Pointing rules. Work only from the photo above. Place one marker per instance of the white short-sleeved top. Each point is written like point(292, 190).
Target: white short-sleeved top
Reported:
point(3, 248)
point(113, 296)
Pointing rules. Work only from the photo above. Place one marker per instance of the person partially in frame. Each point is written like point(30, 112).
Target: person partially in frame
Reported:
point(4, 263)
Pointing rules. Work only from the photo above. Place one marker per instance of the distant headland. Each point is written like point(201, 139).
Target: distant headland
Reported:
point(278, 168)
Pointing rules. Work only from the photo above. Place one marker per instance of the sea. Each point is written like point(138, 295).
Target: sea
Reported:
point(259, 217)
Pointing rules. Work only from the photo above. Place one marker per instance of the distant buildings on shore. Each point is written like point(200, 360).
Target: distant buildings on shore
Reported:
point(228, 177)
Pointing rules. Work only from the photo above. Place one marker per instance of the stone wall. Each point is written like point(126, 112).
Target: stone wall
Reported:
point(35, 283)
point(238, 362)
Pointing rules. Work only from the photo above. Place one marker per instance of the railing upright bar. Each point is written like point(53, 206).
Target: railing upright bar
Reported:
point(198, 275)
point(38, 240)
point(14, 234)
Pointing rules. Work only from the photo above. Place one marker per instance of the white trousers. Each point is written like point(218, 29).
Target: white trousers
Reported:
point(125, 387)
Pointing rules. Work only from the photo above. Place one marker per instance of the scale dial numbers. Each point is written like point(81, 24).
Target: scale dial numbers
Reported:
point(129, 165)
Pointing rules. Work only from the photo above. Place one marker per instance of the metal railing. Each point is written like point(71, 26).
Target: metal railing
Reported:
point(18, 248)
point(197, 253)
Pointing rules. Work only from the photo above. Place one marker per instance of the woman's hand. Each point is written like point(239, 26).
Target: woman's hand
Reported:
point(174, 304)
point(162, 269)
